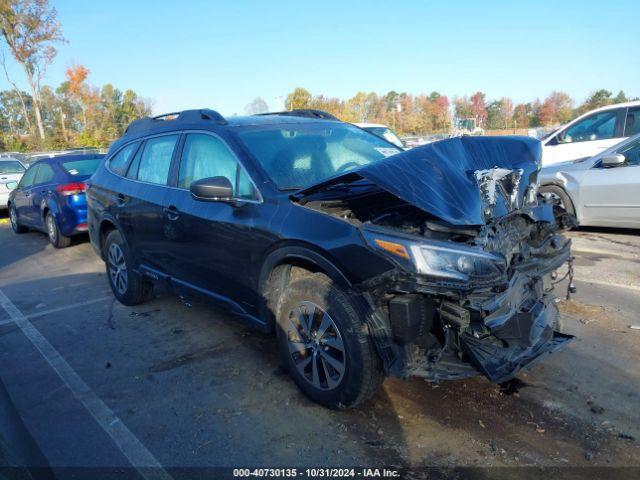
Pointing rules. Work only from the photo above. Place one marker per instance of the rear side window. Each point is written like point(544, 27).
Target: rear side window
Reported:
point(632, 123)
point(118, 163)
point(81, 167)
point(45, 174)
point(156, 159)
point(206, 156)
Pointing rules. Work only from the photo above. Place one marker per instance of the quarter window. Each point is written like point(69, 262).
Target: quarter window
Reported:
point(206, 156)
point(599, 126)
point(632, 123)
point(120, 161)
point(156, 159)
point(45, 174)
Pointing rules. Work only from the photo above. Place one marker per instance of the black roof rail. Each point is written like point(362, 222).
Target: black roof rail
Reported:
point(185, 116)
point(305, 112)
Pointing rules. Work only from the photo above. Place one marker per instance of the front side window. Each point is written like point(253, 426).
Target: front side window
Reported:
point(302, 154)
point(118, 163)
point(599, 126)
point(156, 159)
point(29, 177)
point(45, 174)
point(10, 166)
point(632, 122)
point(206, 156)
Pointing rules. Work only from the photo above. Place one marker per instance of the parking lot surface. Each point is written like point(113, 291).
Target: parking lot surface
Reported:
point(176, 383)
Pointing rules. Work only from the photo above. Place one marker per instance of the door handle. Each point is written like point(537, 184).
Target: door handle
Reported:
point(121, 199)
point(171, 213)
point(27, 194)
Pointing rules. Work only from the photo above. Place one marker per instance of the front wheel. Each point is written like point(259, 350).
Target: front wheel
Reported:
point(325, 344)
point(125, 284)
point(15, 224)
point(53, 232)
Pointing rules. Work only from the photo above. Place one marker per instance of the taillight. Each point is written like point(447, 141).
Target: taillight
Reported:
point(71, 188)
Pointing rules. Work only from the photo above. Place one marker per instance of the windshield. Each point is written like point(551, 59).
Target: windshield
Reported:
point(11, 166)
point(387, 134)
point(300, 155)
point(81, 167)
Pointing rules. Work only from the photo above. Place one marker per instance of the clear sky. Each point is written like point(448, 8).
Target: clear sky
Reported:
point(222, 54)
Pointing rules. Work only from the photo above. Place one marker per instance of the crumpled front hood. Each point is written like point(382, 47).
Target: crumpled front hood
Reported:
point(463, 181)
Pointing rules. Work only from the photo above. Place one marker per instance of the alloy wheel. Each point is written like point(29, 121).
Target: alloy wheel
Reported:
point(316, 346)
point(117, 268)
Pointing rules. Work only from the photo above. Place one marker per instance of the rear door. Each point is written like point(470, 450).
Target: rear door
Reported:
point(144, 199)
point(586, 137)
point(611, 196)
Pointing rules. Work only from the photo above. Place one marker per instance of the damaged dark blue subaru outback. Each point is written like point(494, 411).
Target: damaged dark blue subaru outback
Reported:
point(366, 260)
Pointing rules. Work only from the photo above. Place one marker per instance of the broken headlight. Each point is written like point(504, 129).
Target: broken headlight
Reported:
point(439, 259)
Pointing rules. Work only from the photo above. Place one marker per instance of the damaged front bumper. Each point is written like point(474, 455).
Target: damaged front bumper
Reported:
point(438, 333)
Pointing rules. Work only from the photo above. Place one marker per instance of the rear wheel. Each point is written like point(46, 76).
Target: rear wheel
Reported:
point(125, 284)
point(53, 232)
point(325, 345)
point(15, 224)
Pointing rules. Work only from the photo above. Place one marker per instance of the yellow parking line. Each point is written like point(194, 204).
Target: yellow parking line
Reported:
point(4, 220)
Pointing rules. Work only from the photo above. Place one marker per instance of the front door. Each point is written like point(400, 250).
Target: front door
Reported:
point(611, 196)
point(211, 242)
point(22, 197)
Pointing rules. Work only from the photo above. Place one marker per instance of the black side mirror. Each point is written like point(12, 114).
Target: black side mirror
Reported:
point(213, 189)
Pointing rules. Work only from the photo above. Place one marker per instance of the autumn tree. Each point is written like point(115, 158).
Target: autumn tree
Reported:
point(556, 109)
point(30, 29)
point(299, 98)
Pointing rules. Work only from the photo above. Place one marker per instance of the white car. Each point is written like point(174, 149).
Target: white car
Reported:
point(11, 170)
point(592, 133)
point(383, 132)
point(603, 190)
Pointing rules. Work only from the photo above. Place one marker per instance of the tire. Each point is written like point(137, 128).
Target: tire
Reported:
point(127, 286)
point(565, 201)
point(53, 232)
point(15, 223)
point(361, 373)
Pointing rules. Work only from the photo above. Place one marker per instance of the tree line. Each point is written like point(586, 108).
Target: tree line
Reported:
point(434, 113)
point(74, 114)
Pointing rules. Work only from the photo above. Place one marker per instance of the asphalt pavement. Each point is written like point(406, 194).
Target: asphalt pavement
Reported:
point(175, 383)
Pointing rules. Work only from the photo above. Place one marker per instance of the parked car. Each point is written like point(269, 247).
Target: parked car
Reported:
point(603, 190)
point(366, 260)
point(592, 133)
point(50, 197)
point(383, 132)
point(11, 171)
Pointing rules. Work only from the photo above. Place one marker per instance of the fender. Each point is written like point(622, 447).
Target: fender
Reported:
point(104, 219)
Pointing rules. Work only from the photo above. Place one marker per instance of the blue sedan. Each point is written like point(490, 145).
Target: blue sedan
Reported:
point(50, 197)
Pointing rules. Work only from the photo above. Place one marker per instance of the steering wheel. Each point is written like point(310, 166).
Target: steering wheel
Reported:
point(346, 166)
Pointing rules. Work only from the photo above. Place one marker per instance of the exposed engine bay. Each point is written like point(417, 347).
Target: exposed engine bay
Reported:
point(468, 296)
